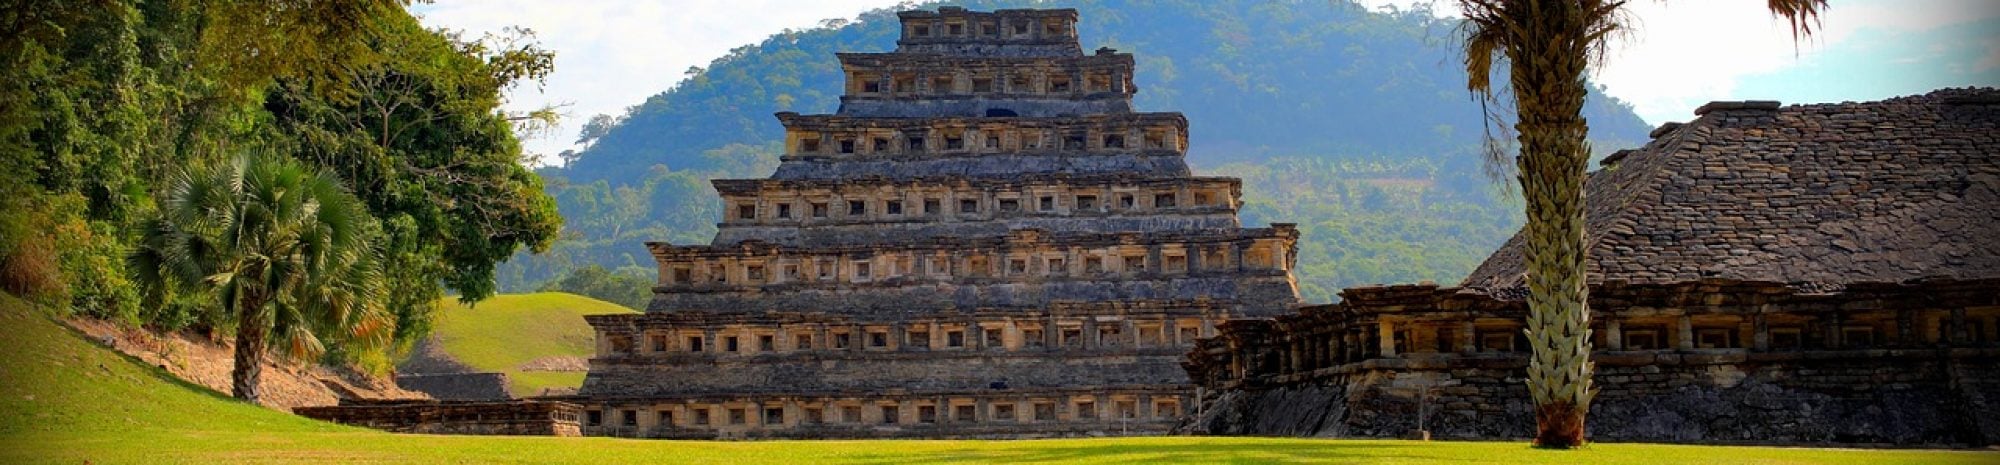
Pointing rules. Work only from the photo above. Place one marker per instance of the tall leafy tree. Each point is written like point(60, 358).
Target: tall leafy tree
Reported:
point(102, 101)
point(246, 44)
point(424, 143)
point(285, 247)
point(1547, 45)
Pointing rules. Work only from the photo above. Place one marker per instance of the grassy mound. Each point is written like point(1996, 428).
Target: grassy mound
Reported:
point(63, 399)
point(506, 332)
point(59, 391)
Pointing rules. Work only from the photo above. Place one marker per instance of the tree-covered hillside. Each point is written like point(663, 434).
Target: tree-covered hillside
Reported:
point(107, 106)
point(1355, 124)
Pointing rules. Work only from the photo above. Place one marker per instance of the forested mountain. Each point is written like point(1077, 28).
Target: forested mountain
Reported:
point(1355, 124)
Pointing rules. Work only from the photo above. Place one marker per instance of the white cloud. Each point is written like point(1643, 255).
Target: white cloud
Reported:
point(1992, 58)
point(1681, 54)
point(614, 54)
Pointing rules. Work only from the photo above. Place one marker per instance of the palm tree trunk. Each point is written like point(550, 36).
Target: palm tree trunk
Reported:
point(1547, 76)
point(252, 332)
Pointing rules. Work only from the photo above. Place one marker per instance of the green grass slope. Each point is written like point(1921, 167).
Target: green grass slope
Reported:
point(64, 399)
point(504, 332)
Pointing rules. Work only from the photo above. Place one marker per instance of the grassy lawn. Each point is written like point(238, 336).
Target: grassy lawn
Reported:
point(65, 400)
point(365, 447)
point(501, 333)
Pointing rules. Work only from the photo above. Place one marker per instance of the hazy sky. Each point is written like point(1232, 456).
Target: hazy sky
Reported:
point(612, 54)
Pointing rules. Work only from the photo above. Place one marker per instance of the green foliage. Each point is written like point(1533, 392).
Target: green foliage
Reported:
point(286, 249)
point(70, 96)
point(631, 286)
point(102, 100)
point(607, 225)
point(1377, 220)
point(424, 143)
point(185, 310)
point(29, 261)
point(246, 44)
point(54, 257)
point(92, 257)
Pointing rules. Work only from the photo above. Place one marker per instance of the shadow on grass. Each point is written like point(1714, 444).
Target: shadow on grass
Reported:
point(157, 372)
point(73, 370)
point(1196, 452)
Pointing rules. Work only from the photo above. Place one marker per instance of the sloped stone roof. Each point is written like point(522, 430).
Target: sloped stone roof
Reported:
point(1815, 196)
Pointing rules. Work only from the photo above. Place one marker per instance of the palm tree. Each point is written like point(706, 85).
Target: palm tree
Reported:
point(1548, 44)
point(285, 248)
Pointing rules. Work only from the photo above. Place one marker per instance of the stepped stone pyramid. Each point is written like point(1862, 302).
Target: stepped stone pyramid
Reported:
point(985, 240)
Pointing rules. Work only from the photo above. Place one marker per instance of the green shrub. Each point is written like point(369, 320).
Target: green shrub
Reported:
point(181, 312)
point(28, 261)
point(93, 261)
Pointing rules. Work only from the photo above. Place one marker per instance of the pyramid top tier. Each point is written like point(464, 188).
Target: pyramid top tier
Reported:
point(999, 33)
point(1006, 63)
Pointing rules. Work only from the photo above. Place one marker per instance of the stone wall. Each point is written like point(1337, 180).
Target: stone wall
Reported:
point(852, 148)
point(1069, 344)
point(880, 232)
point(1904, 398)
point(885, 371)
point(855, 138)
point(1010, 104)
point(483, 386)
point(1016, 32)
point(936, 86)
point(1097, 368)
point(1888, 364)
point(1158, 163)
point(894, 413)
point(1260, 293)
point(873, 211)
point(517, 418)
point(1248, 268)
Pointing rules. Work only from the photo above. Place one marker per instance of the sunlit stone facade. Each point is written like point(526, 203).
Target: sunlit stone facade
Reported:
point(983, 241)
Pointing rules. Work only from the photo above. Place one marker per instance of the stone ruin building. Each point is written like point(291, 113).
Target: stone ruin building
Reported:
point(1800, 274)
point(985, 240)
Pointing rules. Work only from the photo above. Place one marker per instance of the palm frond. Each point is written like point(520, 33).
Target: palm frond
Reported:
point(1802, 15)
point(279, 243)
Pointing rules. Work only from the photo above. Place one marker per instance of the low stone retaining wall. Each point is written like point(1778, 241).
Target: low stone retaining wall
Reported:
point(1916, 397)
point(1714, 361)
point(514, 418)
point(485, 387)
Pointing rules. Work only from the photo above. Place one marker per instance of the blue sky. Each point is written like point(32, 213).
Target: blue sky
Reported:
point(1878, 64)
point(612, 54)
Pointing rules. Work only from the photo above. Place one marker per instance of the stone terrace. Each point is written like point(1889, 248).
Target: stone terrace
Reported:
point(1823, 274)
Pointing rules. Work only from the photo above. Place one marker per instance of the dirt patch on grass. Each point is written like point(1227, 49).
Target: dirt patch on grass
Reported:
point(200, 361)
